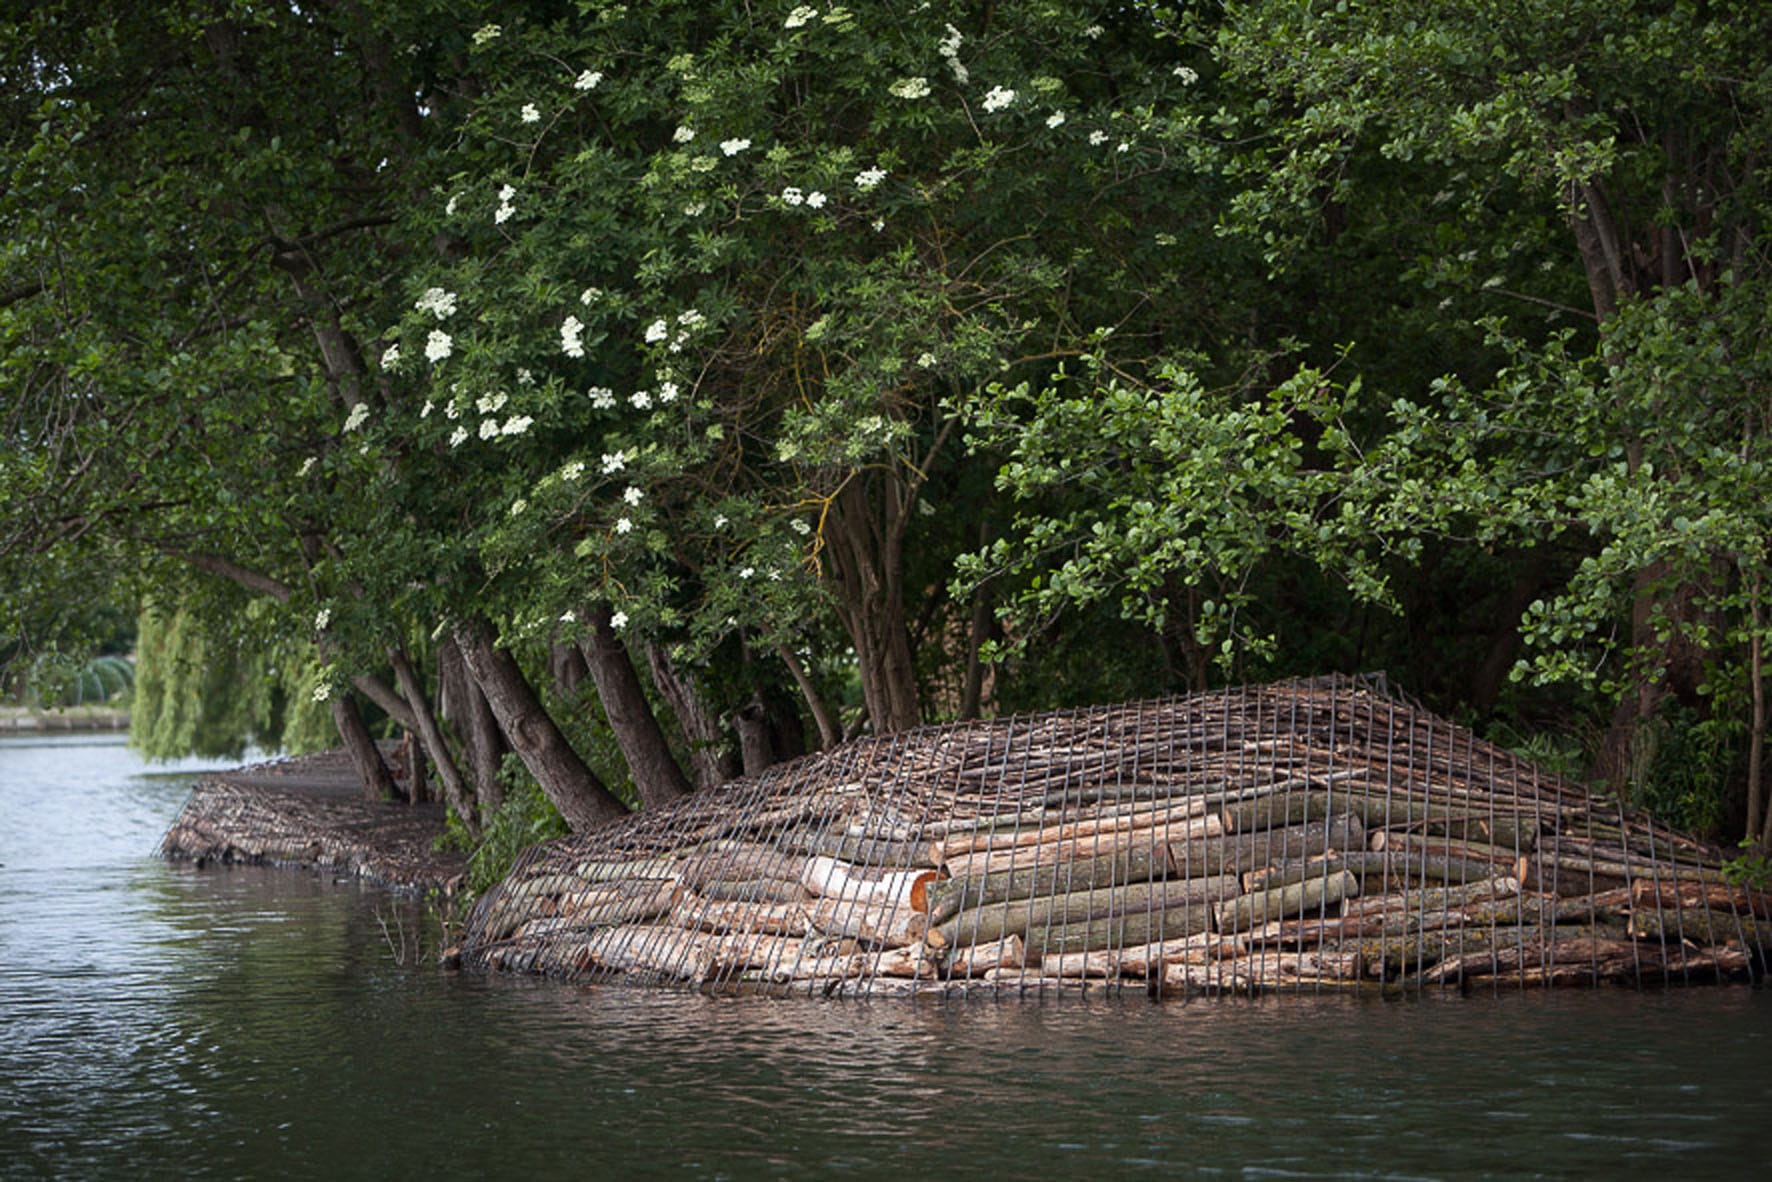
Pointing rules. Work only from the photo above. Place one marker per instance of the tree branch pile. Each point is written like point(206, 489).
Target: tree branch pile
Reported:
point(1316, 835)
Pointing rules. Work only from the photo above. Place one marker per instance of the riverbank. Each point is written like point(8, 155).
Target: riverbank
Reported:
point(28, 719)
point(309, 813)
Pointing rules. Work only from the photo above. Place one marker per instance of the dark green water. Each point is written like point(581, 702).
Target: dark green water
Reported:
point(158, 1021)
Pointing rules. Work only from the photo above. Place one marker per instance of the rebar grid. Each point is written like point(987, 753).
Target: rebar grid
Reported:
point(1306, 836)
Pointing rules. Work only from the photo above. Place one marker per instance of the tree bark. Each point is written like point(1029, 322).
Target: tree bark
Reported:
point(866, 554)
point(751, 721)
point(378, 784)
point(583, 799)
point(828, 734)
point(454, 790)
point(710, 758)
point(657, 777)
point(466, 709)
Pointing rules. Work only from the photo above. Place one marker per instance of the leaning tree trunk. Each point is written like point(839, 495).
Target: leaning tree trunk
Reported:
point(657, 777)
point(466, 709)
point(581, 797)
point(710, 756)
point(431, 736)
point(378, 783)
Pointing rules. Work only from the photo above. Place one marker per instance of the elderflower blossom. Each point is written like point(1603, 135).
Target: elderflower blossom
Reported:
point(518, 505)
point(1098, 137)
point(683, 134)
point(720, 521)
point(516, 425)
point(307, 465)
point(503, 213)
point(602, 397)
point(358, 413)
point(438, 345)
point(573, 470)
point(449, 206)
point(525, 378)
point(623, 525)
point(457, 436)
point(530, 113)
point(997, 98)
point(641, 400)
point(801, 526)
point(590, 295)
point(390, 357)
point(632, 495)
point(613, 462)
point(322, 692)
point(488, 428)
point(486, 33)
point(910, 88)
point(488, 404)
point(868, 178)
point(1188, 77)
point(657, 330)
point(792, 195)
point(619, 620)
point(429, 406)
point(667, 392)
point(572, 337)
point(691, 318)
point(1056, 119)
point(588, 80)
point(322, 618)
point(733, 147)
point(437, 302)
point(815, 199)
point(747, 572)
point(799, 16)
point(950, 50)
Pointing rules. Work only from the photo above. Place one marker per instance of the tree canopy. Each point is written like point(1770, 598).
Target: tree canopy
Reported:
point(653, 391)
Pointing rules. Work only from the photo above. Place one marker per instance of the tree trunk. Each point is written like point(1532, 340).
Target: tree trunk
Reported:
point(378, 784)
point(828, 734)
point(581, 797)
point(454, 790)
point(568, 667)
point(865, 550)
point(752, 724)
point(657, 777)
point(466, 709)
point(710, 757)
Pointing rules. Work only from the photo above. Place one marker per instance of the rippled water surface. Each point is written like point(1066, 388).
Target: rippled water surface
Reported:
point(162, 1021)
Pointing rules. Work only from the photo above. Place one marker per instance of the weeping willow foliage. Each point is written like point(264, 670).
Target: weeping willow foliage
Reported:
point(196, 694)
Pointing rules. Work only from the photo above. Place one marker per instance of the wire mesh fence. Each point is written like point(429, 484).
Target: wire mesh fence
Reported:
point(1305, 836)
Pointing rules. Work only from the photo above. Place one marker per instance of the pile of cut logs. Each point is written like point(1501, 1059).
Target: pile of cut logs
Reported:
point(1313, 835)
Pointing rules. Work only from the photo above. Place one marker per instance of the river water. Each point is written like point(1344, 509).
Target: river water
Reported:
point(157, 1020)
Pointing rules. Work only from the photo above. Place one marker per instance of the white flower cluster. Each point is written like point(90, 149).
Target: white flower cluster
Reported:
point(437, 302)
point(799, 16)
point(997, 98)
point(1188, 77)
point(322, 692)
point(488, 404)
point(307, 465)
point(793, 196)
point(588, 80)
point(950, 49)
point(518, 505)
point(572, 337)
point(486, 33)
point(623, 525)
point(1056, 119)
point(640, 400)
point(358, 413)
point(683, 134)
point(614, 461)
point(633, 495)
point(868, 178)
point(391, 356)
point(602, 397)
point(573, 470)
point(733, 147)
point(322, 618)
point(505, 208)
point(619, 620)
point(909, 88)
point(590, 295)
point(530, 113)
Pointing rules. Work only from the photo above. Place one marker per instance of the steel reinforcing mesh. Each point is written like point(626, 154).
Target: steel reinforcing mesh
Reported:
point(1306, 836)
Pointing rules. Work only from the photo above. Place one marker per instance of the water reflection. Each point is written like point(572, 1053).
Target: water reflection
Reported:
point(161, 1020)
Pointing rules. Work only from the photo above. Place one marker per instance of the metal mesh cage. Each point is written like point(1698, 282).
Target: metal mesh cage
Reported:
point(1317, 835)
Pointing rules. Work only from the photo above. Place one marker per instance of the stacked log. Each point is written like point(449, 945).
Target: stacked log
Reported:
point(1307, 836)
